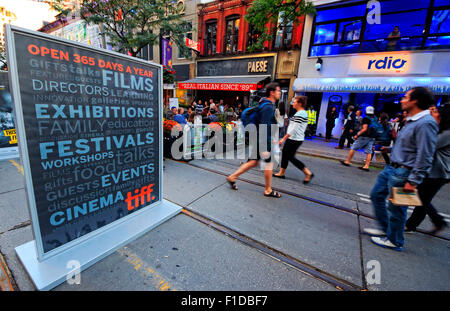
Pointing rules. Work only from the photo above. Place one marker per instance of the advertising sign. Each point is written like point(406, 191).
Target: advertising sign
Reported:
point(89, 132)
point(167, 52)
point(390, 64)
point(192, 44)
point(254, 66)
point(243, 87)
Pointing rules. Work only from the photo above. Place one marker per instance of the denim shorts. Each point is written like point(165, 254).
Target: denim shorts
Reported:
point(365, 143)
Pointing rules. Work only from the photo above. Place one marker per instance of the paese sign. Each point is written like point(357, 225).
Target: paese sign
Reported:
point(237, 67)
point(391, 64)
point(89, 135)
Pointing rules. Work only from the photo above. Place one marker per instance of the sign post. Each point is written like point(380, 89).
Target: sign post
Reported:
point(89, 126)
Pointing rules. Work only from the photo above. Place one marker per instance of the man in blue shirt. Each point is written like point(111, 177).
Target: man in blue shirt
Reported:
point(265, 120)
point(411, 160)
point(179, 117)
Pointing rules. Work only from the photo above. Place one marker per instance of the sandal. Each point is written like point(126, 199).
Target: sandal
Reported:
point(310, 178)
point(273, 194)
point(364, 169)
point(343, 163)
point(278, 176)
point(232, 185)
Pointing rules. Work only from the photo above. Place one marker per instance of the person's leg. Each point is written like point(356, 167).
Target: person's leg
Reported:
point(350, 156)
point(285, 154)
point(328, 133)
point(378, 197)
point(342, 139)
point(427, 190)
point(242, 169)
point(397, 214)
point(268, 177)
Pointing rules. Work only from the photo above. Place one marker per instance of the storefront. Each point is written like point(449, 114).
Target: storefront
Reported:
point(349, 61)
point(8, 137)
point(233, 79)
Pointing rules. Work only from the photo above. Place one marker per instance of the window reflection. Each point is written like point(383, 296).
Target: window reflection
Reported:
point(232, 34)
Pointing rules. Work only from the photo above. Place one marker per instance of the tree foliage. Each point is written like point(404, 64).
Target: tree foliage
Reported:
point(279, 12)
point(132, 24)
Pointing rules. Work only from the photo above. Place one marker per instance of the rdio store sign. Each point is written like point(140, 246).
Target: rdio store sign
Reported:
point(390, 64)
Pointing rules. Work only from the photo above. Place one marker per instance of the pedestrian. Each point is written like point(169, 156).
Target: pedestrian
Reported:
point(266, 117)
point(294, 139)
point(212, 116)
point(279, 116)
point(172, 113)
point(199, 107)
point(364, 139)
point(348, 127)
point(188, 113)
point(312, 120)
point(331, 122)
point(384, 136)
point(221, 106)
point(179, 116)
point(438, 176)
point(411, 160)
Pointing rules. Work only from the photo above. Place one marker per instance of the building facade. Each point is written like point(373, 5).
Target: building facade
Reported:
point(226, 68)
point(365, 63)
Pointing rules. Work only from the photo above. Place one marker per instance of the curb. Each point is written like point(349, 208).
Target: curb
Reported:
point(7, 283)
point(329, 157)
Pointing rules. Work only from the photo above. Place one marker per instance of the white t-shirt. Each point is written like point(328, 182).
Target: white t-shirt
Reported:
point(297, 126)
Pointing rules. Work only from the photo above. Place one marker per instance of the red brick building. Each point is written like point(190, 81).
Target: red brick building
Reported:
point(225, 66)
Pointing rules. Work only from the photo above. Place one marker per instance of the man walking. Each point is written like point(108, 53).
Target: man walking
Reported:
point(349, 125)
point(265, 118)
point(364, 139)
point(411, 160)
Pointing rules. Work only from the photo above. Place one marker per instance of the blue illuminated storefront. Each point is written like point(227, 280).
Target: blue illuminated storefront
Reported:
point(365, 64)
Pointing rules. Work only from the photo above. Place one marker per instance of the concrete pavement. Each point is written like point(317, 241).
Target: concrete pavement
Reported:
point(183, 254)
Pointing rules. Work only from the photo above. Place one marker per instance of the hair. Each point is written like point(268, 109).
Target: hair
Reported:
point(180, 110)
point(351, 107)
point(281, 108)
point(424, 97)
point(191, 117)
point(271, 87)
point(302, 100)
point(444, 113)
point(384, 119)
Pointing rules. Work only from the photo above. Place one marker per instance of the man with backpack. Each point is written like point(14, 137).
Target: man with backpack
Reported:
point(263, 117)
point(364, 139)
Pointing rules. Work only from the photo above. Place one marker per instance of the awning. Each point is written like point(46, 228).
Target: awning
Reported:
point(439, 85)
point(223, 83)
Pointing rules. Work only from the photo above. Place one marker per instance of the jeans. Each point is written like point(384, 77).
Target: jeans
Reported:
point(427, 190)
point(391, 218)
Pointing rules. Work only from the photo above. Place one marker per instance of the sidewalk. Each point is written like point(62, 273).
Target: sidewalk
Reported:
point(319, 148)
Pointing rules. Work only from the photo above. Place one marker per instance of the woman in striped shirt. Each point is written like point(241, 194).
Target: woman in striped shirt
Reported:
point(294, 138)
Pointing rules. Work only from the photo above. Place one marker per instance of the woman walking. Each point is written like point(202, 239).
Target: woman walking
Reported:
point(438, 176)
point(331, 118)
point(294, 138)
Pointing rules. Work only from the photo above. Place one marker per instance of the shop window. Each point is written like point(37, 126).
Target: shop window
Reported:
point(440, 22)
point(435, 42)
point(232, 34)
point(283, 37)
point(349, 31)
point(440, 3)
point(390, 6)
point(335, 49)
point(409, 23)
point(211, 38)
point(340, 13)
point(403, 44)
point(325, 33)
point(252, 36)
point(146, 53)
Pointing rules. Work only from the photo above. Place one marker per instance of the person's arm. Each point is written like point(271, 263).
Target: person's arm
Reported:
point(426, 136)
point(364, 129)
point(266, 115)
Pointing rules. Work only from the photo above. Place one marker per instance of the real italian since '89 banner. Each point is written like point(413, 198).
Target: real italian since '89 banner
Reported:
point(91, 121)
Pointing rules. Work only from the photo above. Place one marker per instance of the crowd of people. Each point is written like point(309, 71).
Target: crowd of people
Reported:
point(419, 161)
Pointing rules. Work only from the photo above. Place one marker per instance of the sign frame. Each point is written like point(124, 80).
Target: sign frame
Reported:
point(161, 209)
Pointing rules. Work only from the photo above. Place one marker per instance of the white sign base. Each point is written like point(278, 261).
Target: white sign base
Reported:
point(54, 271)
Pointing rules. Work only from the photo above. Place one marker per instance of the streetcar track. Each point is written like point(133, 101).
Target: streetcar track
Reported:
point(306, 198)
point(280, 256)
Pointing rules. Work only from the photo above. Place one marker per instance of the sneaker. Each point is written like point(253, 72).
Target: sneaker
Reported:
point(384, 242)
point(438, 229)
point(407, 230)
point(374, 232)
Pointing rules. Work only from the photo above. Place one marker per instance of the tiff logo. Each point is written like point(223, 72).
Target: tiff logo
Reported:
point(141, 197)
